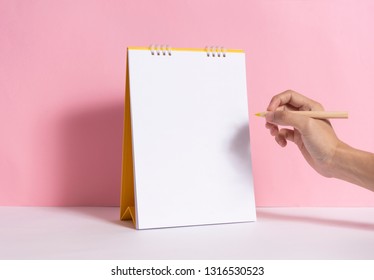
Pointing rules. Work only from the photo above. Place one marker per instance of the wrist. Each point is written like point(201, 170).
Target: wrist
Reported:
point(336, 166)
point(353, 165)
point(340, 160)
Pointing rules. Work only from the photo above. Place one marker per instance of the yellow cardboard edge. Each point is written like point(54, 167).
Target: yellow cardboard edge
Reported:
point(127, 202)
point(185, 49)
point(129, 215)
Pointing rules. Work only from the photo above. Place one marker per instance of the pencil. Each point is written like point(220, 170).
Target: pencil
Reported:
point(316, 114)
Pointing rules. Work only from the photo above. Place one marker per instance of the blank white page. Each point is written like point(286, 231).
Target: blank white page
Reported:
point(190, 134)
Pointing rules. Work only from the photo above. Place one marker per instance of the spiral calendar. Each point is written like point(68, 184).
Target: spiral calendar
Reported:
point(186, 146)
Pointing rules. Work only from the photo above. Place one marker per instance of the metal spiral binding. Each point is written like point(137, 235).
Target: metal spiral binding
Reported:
point(160, 50)
point(213, 51)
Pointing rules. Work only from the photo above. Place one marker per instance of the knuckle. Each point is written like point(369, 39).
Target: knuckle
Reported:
point(290, 91)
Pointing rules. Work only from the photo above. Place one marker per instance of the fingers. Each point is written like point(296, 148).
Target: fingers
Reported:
point(280, 113)
point(294, 99)
point(280, 136)
point(273, 128)
point(287, 134)
point(289, 119)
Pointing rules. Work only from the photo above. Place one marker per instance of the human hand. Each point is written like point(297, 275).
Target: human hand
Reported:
point(315, 138)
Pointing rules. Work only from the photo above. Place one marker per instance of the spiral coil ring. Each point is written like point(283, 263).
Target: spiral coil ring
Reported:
point(215, 51)
point(211, 51)
point(160, 50)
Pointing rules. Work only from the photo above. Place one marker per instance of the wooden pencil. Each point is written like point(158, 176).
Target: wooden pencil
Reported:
point(316, 114)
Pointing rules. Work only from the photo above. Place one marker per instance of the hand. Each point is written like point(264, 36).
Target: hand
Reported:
point(315, 138)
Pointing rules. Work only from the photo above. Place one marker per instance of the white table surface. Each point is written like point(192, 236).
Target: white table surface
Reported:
point(96, 233)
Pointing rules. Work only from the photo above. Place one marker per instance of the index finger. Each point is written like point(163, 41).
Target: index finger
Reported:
point(297, 100)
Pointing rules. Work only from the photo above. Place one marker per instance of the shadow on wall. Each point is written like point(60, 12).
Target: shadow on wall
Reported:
point(91, 156)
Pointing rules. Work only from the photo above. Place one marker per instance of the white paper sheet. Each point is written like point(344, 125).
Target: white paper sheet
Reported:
point(190, 133)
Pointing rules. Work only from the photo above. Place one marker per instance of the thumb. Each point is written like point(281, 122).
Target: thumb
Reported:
point(287, 118)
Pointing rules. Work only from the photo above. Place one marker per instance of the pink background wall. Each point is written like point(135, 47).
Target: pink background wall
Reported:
point(62, 69)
